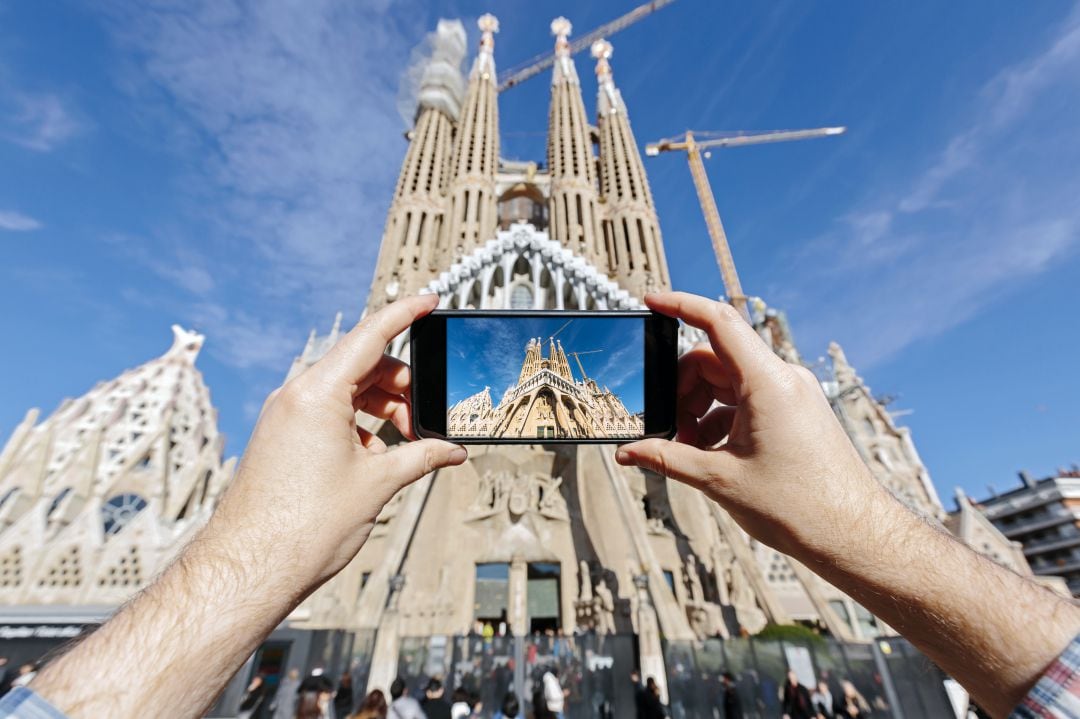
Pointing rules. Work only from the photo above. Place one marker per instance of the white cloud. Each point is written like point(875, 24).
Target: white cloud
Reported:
point(39, 122)
point(993, 209)
point(243, 340)
point(288, 120)
point(17, 221)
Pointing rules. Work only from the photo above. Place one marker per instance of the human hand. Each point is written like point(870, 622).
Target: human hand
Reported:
point(311, 482)
point(774, 454)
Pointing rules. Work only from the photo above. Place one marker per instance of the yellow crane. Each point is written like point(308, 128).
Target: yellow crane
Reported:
point(541, 62)
point(580, 367)
point(694, 144)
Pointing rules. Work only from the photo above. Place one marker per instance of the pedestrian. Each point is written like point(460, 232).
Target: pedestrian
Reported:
point(253, 698)
point(373, 706)
point(461, 707)
point(795, 702)
point(344, 701)
point(775, 436)
point(554, 694)
point(540, 710)
point(731, 701)
point(510, 708)
point(850, 704)
point(403, 706)
point(284, 706)
point(5, 676)
point(823, 701)
point(639, 694)
point(433, 704)
point(651, 702)
point(27, 672)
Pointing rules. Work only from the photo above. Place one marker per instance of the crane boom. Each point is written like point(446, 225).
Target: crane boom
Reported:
point(693, 147)
point(578, 359)
point(517, 75)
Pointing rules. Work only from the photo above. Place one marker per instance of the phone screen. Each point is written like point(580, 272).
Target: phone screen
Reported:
point(545, 377)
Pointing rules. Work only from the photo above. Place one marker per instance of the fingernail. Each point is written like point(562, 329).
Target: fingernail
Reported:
point(621, 455)
point(458, 455)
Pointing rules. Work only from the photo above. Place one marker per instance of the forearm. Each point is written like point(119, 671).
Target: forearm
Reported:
point(992, 630)
point(173, 648)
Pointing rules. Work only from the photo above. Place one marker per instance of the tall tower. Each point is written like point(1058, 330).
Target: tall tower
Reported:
point(473, 211)
point(408, 255)
point(631, 232)
point(574, 220)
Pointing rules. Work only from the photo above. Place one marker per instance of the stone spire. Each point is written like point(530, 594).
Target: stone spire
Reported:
point(473, 211)
point(101, 494)
point(633, 246)
point(408, 256)
point(574, 220)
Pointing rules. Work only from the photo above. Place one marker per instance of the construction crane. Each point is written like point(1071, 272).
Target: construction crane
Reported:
point(580, 367)
point(517, 75)
point(705, 141)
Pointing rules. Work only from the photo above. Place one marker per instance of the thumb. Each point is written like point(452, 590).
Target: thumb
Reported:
point(410, 461)
point(696, 467)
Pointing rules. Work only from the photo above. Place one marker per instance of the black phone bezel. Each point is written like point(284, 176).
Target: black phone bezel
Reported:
point(427, 354)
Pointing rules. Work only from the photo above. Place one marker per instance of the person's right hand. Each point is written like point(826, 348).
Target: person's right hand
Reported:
point(774, 455)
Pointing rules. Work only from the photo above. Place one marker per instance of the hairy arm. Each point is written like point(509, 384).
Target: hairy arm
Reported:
point(776, 458)
point(175, 645)
point(991, 629)
point(300, 507)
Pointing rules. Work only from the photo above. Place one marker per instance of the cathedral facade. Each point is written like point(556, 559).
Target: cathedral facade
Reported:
point(547, 402)
point(527, 539)
point(521, 539)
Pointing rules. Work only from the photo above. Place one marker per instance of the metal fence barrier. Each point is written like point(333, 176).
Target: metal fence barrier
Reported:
point(894, 679)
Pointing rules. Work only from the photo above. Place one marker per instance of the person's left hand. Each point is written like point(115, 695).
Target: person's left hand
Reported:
point(311, 482)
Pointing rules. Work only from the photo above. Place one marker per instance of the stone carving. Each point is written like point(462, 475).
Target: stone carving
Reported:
point(693, 581)
point(750, 617)
point(518, 494)
point(604, 609)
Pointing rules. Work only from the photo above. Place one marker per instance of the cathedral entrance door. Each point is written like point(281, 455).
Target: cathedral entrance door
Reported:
point(543, 597)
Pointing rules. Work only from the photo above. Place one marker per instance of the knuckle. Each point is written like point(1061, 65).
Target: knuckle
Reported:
point(725, 312)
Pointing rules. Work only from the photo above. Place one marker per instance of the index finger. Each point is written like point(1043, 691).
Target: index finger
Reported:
point(359, 351)
point(744, 355)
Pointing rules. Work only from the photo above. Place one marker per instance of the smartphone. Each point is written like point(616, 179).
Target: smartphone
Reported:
point(514, 377)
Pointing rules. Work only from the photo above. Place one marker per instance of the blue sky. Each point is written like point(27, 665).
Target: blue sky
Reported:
point(489, 352)
point(228, 165)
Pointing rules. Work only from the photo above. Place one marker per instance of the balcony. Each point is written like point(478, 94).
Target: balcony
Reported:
point(1050, 544)
point(1054, 516)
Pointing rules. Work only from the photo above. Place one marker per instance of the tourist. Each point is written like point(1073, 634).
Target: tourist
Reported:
point(403, 706)
point(510, 708)
point(284, 705)
point(823, 701)
point(343, 698)
point(373, 706)
point(27, 672)
point(850, 704)
point(796, 703)
point(314, 705)
point(310, 472)
point(639, 693)
point(554, 694)
point(5, 676)
point(461, 708)
point(433, 704)
point(253, 698)
point(651, 703)
point(540, 710)
point(731, 702)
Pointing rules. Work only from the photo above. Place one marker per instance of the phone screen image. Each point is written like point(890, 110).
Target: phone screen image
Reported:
point(545, 377)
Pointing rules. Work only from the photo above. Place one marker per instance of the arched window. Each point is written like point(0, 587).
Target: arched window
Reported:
point(118, 512)
point(521, 297)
